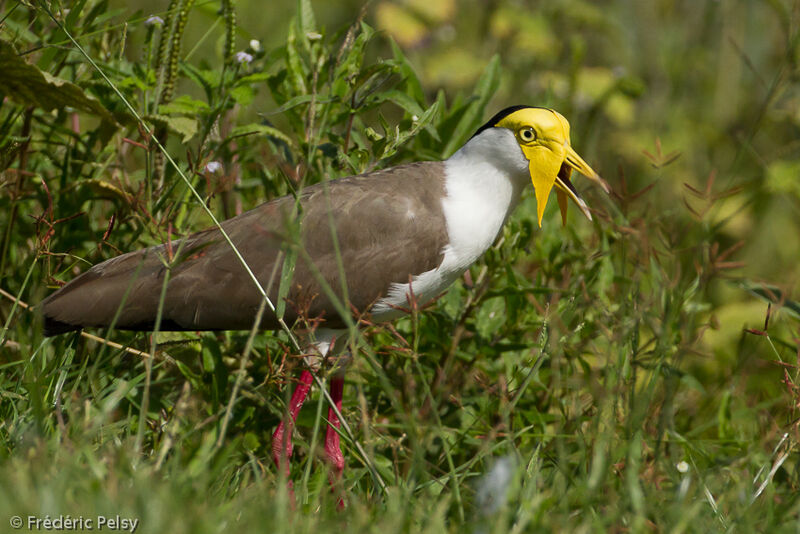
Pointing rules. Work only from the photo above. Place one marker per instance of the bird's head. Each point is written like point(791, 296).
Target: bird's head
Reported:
point(543, 137)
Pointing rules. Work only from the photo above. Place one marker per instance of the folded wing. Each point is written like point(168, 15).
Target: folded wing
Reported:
point(389, 226)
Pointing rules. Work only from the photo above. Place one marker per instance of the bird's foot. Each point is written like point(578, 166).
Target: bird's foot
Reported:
point(333, 448)
point(282, 437)
point(335, 459)
point(282, 447)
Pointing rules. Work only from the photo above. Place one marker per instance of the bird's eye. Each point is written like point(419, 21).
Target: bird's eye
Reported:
point(527, 134)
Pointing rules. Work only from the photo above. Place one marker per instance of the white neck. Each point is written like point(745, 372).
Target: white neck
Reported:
point(485, 179)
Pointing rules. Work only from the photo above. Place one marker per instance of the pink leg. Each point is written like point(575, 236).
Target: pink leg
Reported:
point(333, 449)
point(282, 438)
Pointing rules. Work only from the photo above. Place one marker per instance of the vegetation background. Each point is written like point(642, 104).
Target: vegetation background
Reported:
point(635, 373)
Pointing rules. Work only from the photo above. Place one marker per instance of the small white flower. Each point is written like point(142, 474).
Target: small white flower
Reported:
point(243, 58)
point(682, 467)
point(414, 118)
point(255, 45)
point(154, 20)
point(213, 166)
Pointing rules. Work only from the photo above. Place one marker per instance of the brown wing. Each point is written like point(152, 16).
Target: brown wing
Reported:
point(389, 226)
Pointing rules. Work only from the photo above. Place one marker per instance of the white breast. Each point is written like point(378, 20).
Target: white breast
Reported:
point(484, 181)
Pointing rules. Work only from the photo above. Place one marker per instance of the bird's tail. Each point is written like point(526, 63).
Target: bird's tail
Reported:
point(54, 327)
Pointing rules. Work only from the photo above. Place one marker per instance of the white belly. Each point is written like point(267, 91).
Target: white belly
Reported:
point(424, 287)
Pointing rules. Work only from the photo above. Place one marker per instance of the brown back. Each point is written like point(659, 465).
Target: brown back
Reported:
point(389, 226)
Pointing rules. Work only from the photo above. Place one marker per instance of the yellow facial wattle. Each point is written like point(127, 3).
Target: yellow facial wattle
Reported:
point(543, 136)
point(543, 163)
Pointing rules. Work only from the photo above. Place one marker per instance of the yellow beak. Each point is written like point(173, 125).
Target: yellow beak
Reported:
point(577, 163)
point(551, 166)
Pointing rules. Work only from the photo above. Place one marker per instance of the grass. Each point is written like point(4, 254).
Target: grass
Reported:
point(635, 373)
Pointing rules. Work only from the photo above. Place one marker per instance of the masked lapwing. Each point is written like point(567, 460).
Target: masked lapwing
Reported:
point(386, 239)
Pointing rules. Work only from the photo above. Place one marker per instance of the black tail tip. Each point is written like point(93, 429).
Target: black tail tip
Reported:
point(53, 327)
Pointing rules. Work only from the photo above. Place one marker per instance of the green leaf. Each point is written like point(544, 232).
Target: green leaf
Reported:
point(724, 424)
point(406, 102)
point(74, 13)
point(424, 118)
point(305, 16)
point(261, 129)
point(410, 78)
point(256, 77)
point(185, 126)
point(52, 54)
point(771, 294)
point(370, 81)
point(242, 94)
point(184, 104)
point(296, 101)
point(423, 121)
point(353, 56)
point(8, 153)
point(27, 85)
point(295, 67)
point(21, 31)
point(490, 317)
point(207, 79)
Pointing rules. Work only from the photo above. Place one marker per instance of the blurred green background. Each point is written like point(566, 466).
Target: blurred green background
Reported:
point(712, 81)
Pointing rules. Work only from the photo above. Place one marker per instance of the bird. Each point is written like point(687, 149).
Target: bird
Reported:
point(369, 245)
